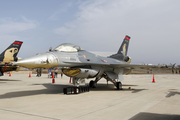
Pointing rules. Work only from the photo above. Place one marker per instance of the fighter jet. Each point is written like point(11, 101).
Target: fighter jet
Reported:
point(81, 64)
point(8, 56)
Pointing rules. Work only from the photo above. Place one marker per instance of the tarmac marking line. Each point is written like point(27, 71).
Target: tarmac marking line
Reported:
point(28, 114)
point(121, 103)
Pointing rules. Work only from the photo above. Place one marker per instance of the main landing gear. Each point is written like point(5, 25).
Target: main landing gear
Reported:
point(76, 89)
point(92, 84)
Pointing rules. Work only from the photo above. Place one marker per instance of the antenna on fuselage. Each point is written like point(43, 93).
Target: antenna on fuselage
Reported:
point(50, 49)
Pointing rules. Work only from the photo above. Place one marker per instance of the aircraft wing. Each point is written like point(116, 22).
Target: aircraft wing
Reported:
point(128, 66)
point(133, 66)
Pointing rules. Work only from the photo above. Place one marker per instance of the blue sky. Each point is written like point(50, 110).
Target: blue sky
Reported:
point(95, 25)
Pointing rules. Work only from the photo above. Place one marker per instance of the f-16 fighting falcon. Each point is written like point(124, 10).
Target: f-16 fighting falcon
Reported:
point(80, 64)
point(8, 56)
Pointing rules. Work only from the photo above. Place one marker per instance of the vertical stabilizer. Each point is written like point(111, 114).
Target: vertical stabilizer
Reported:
point(11, 52)
point(122, 52)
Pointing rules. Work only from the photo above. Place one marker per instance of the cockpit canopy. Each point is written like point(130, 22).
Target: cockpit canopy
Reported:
point(68, 47)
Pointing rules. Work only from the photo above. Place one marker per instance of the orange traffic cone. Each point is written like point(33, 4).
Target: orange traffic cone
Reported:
point(70, 80)
point(9, 74)
point(29, 74)
point(153, 79)
point(53, 80)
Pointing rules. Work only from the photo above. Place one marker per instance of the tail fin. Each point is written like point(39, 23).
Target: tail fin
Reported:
point(11, 52)
point(122, 52)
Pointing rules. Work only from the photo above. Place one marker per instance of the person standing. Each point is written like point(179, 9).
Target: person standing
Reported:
point(37, 73)
point(61, 74)
point(40, 72)
point(49, 72)
point(56, 72)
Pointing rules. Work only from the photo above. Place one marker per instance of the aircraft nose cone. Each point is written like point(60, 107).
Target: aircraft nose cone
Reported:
point(30, 62)
point(39, 61)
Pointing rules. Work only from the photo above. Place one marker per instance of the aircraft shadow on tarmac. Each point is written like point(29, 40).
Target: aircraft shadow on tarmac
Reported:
point(172, 93)
point(51, 89)
point(8, 80)
point(110, 87)
point(154, 116)
point(58, 89)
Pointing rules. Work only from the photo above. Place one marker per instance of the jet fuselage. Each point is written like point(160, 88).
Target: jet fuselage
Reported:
point(70, 59)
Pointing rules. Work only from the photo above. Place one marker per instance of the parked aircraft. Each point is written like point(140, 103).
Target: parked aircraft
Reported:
point(171, 65)
point(8, 56)
point(81, 64)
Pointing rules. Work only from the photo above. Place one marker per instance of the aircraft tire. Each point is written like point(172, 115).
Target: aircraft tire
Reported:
point(91, 84)
point(77, 90)
point(1, 73)
point(65, 90)
point(119, 86)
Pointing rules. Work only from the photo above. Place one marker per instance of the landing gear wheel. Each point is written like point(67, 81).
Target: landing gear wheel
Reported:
point(76, 90)
point(65, 90)
point(92, 84)
point(119, 85)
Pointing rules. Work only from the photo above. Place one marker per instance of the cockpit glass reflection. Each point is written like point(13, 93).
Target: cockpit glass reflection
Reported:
point(67, 47)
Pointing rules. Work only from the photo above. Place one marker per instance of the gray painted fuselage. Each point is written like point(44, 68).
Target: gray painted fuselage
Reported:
point(80, 64)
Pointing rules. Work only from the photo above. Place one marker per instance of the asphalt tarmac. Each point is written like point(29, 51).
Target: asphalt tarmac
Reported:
point(37, 98)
